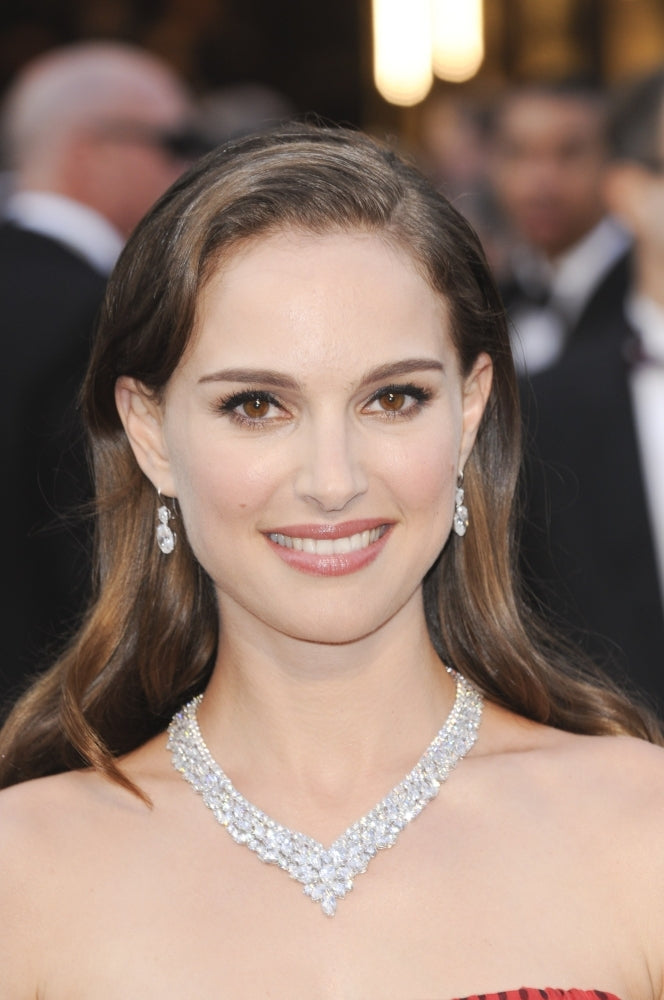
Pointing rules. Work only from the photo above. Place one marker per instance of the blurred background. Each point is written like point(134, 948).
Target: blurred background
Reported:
point(514, 110)
point(319, 55)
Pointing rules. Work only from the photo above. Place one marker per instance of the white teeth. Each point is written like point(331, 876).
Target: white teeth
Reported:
point(330, 546)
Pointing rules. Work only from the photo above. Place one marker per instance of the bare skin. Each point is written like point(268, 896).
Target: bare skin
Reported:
point(540, 863)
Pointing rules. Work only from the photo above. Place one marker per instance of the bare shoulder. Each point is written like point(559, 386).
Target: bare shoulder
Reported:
point(56, 815)
point(617, 780)
point(617, 791)
point(32, 811)
point(32, 833)
point(608, 788)
point(622, 770)
point(582, 819)
point(507, 732)
point(51, 829)
point(44, 822)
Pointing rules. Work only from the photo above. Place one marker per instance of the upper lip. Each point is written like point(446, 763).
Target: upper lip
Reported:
point(342, 530)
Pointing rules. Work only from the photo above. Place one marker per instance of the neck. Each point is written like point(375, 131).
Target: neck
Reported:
point(327, 873)
point(323, 720)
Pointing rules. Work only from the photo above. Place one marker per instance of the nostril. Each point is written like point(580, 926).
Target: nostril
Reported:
point(330, 474)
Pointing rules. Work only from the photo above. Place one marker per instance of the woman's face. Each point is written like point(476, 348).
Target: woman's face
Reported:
point(313, 433)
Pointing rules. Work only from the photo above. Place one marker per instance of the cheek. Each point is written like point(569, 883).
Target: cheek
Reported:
point(511, 189)
point(216, 489)
point(423, 473)
point(434, 490)
point(586, 189)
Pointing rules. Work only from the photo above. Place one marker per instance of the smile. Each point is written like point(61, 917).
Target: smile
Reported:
point(330, 546)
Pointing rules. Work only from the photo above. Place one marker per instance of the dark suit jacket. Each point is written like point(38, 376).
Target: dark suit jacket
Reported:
point(49, 299)
point(587, 542)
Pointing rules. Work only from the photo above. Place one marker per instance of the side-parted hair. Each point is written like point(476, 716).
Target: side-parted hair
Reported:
point(149, 639)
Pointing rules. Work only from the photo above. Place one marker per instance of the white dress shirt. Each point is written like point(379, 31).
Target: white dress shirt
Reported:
point(539, 331)
point(79, 227)
point(646, 383)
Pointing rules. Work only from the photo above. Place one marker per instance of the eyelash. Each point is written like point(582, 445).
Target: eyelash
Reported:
point(231, 404)
point(230, 407)
point(418, 394)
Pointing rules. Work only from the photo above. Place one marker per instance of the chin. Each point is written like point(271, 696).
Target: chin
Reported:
point(342, 629)
point(333, 634)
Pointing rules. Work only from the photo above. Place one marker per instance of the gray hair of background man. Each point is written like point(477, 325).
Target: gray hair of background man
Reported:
point(68, 107)
point(79, 86)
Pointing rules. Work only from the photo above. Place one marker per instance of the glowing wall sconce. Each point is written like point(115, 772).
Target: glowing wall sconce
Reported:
point(413, 39)
point(402, 41)
point(458, 38)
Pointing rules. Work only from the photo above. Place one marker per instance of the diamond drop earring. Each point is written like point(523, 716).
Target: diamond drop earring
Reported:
point(166, 537)
point(460, 522)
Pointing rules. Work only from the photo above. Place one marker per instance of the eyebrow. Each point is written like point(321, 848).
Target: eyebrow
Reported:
point(404, 367)
point(251, 375)
point(266, 376)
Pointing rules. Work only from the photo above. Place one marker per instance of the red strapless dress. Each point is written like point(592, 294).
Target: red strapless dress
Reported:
point(549, 994)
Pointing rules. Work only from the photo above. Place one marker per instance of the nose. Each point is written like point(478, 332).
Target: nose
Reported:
point(330, 469)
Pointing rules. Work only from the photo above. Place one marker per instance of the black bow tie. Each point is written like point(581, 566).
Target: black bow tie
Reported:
point(532, 293)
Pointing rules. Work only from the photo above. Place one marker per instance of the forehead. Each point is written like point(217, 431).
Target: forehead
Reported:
point(538, 117)
point(293, 293)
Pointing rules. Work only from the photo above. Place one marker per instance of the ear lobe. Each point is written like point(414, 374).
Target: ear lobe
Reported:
point(476, 389)
point(142, 420)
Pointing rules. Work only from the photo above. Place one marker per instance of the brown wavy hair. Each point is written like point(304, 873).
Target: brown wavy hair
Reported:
point(149, 639)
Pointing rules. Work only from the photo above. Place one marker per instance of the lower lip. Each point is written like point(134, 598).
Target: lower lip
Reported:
point(331, 565)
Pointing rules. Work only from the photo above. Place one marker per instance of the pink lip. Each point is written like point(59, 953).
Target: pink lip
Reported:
point(337, 564)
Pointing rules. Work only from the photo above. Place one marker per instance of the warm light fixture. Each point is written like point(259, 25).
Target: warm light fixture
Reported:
point(413, 39)
point(402, 45)
point(458, 38)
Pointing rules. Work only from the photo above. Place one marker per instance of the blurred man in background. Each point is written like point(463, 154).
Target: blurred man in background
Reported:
point(452, 145)
point(594, 534)
point(238, 109)
point(92, 134)
point(548, 161)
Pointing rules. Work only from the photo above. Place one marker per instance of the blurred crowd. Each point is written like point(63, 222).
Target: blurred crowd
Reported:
point(564, 181)
point(92, 134)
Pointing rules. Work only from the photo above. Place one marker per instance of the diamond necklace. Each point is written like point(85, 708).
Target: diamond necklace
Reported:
point(326, 873)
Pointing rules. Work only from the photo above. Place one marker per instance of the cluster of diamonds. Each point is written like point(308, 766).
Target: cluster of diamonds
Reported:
point(165, 535)
point(326, 873)
point(460, 512)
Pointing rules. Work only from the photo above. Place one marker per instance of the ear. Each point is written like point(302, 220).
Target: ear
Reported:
point(142, 418)
point(476, 389)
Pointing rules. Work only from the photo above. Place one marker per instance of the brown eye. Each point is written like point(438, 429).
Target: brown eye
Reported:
point(392, 401)
point(257, 406)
